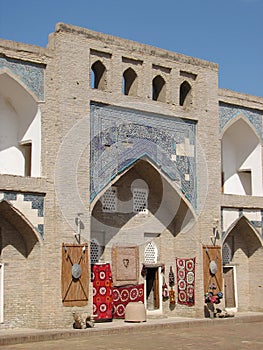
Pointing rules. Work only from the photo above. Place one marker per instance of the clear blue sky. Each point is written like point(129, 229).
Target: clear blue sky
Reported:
point(228, 32)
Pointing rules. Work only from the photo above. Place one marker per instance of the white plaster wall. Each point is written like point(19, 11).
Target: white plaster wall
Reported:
point(232, 183)
point(20, 121)
point(229, 216)
point(11, 158)
point(241, 151)
point(252, 215)
point(33, 133)
point(254, 162)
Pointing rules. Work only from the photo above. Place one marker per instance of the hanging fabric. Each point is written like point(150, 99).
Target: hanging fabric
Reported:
point(185, 281)
point(102, 292)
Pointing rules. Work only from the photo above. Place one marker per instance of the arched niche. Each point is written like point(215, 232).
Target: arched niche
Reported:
point(167, 209)
point(130, 82)
point(24, 236)
point(185, 94)
point(98, 76)
point(159, 89)
point(241, 159)
point(20, 132)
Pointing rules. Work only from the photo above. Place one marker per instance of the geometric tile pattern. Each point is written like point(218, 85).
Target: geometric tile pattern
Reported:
point(121, 136)
point(31, 205)
point(31, 74)
point(228, 112)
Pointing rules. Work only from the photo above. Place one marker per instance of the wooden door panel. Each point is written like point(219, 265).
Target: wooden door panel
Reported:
point(212, 253)
point(75, 291)
point(229, 290)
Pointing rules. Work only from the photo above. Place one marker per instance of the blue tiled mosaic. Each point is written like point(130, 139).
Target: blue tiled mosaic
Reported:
point(40, 228)
point(37, 202)
point(10, 196)
point(228, 112)
point(32, 75)
point(121, 136)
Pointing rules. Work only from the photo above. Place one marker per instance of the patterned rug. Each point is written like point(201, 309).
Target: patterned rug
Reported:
point(125, 265)
point(185, 269)
point(123, 295)
point(101, 277)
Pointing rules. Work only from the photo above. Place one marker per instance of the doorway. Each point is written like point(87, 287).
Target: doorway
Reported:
point(152, 286)
point(229, 287)
point(1, 293)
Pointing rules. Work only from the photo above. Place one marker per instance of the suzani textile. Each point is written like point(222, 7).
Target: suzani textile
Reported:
point(123, 295)
point(185, 269)
point(101, 277)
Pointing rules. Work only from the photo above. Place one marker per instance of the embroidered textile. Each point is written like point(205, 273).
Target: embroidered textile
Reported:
point(123, 295)
point(125, 265)
point(185, 269)
point(101, 277)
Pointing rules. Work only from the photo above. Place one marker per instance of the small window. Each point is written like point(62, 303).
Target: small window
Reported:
point(109, 200)
point(158, 89)
point(95, 251)
point(98, 76)
point(226, 253)
point(150, 253)
point(129, 82)
point(185, 89)
point(140, 201)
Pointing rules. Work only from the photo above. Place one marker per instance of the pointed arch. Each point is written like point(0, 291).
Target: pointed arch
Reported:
point(241, 158)
point(242, 222)
point(239, 116)
point(7, 73)
point(130, 82)
point(185, 90)
point(98, 76)
point(23, 226)
point(159, 89)
point(168, 208)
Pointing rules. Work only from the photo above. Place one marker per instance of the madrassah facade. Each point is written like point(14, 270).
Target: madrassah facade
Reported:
point(126, 176)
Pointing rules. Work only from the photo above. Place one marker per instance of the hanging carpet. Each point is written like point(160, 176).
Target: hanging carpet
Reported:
point(101, 277)
point(125, 265)
point(123, 295)
point(185, 269)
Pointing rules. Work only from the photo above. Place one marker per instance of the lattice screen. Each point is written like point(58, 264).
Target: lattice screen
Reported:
point(95, 251)
point(140, 202)
point(109, 200)
point(226, 253)
point(150, 253)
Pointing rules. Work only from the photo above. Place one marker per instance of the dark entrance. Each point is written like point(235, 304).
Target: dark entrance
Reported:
point(152, 288)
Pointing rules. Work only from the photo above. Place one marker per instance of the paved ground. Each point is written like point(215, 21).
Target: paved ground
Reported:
point(243, 332)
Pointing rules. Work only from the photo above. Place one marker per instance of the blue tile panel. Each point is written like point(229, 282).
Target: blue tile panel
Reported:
point(37, 202)
point(228, 112)
point(120, 137)
point(10, 196)
point(32, 75)
point(40, 228)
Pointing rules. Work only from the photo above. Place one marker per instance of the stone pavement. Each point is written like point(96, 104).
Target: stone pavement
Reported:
point(20, 336)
